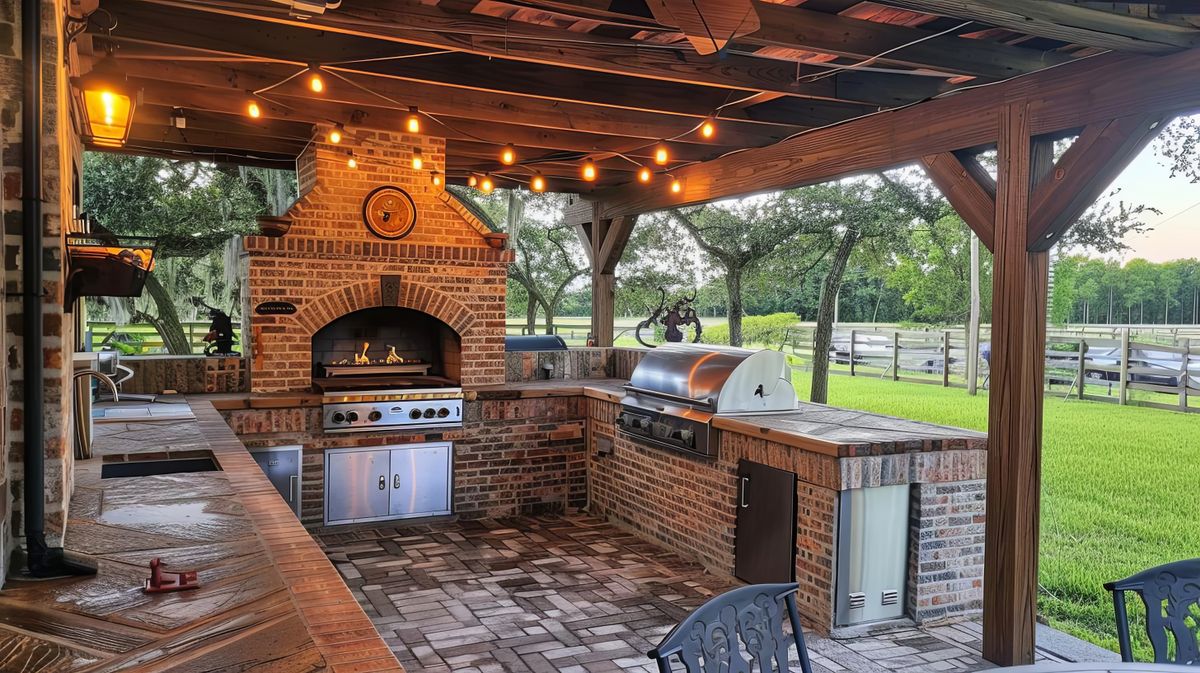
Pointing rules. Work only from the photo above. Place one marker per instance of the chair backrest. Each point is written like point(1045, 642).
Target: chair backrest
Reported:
point(1171, 594)
point(736, 630)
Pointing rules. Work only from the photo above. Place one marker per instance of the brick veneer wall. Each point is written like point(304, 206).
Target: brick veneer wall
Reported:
point(185, 374)
point(689, 505)
point(511, 456)
point(61, 151)
point(328, 264)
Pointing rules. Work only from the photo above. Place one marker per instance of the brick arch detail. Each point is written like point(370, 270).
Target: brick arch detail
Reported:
point(367, 294)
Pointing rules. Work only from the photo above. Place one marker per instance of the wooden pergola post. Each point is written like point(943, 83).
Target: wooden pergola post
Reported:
point(604, 241)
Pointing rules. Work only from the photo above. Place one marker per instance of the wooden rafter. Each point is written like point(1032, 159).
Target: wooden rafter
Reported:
point(1060, 98)
point(1066, 22)
point(968, 187)
point(1086, 169)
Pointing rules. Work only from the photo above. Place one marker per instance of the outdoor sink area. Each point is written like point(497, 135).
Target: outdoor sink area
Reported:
point(145, 468)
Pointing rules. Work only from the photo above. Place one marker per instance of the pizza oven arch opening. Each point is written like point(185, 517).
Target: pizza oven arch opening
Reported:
point(386, 346)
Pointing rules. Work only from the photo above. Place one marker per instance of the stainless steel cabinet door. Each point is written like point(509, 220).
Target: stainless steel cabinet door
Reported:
point(420, 481)
point(357, 485)
point(282, 467)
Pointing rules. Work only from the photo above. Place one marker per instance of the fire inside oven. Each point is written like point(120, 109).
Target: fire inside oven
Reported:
point(385, 347)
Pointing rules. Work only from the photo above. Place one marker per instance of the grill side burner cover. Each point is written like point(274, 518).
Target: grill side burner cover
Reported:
point(677, 389)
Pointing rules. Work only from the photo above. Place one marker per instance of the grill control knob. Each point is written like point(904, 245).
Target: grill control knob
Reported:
point(443, 412)
point(374, 416)
point(414, 414)
point(430, 412)
point(352, 416)
point(338, 417)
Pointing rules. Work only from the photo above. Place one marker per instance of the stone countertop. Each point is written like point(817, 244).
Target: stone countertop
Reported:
point(600, 388)
point(269, 598)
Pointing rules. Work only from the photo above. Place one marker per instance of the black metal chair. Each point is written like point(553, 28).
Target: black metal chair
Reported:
point(1171, 594)
point(748, 619)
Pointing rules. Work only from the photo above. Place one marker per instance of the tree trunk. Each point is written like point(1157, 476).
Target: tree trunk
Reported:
point(167, 321)
point(549, 318)
point(530, 314)
point(733, 285)
point(824, 333)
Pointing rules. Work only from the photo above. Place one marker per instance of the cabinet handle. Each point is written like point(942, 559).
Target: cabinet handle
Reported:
point(742, 496)
point(395, 481)
point(382, 483)
point(292, 487)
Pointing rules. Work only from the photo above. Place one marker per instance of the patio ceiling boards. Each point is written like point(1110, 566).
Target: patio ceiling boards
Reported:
point(563, 81)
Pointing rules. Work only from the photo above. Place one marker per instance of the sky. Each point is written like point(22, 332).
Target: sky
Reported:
point(1176, 232)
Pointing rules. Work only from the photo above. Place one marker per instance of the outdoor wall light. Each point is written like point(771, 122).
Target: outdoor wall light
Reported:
point(108, 103)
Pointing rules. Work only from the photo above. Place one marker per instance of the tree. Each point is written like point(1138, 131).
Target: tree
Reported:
point(191, 208)
point(933, 271)
point(739, 235)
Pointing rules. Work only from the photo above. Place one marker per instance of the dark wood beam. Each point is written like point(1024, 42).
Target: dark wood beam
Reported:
point(805, 29)
point(605, 241)
point(1069, 23)
point(967, 187)
point(431, 26)
point(1019, 296)
point(1084, 171)
point(218, 155)
point(208, 140)
point(1059, 99)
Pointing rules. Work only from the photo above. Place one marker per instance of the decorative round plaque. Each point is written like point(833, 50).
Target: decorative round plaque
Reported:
point(389, 212)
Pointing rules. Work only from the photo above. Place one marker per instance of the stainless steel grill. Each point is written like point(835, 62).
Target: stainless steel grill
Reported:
point(677, 389)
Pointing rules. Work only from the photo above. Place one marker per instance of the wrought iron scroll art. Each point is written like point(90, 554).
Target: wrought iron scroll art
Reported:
point(714, 647)
point(672, 319)
point(1173, 614)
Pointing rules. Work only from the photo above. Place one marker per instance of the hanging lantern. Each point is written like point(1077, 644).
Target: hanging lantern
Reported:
point(108, 103)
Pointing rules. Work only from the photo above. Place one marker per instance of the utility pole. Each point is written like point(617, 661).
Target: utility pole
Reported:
point(973, 327)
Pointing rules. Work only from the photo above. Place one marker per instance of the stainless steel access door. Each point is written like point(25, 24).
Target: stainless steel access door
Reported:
point(872, 553)
point(282, 467)
point(357, 484)
point(420, 480)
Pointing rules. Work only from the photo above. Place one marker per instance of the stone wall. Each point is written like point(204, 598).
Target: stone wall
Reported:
point(60, 162)
point(576, 363)
point(185, 374)
point(946, 550)
point(329, 264)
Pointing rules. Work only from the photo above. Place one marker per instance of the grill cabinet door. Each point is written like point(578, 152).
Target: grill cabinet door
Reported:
point(765, 544)
point(282, 467)
point(356, 485)
point(420, 480)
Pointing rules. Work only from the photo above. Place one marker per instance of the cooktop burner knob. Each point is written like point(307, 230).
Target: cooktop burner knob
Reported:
point(414, 414)
point(374, 416)
point(351, 416)
point(443, 412)
point(430, 412)
point(338, 417)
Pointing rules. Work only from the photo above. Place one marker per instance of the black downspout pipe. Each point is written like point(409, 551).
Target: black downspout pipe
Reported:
point(41, 561)
point(31, 265)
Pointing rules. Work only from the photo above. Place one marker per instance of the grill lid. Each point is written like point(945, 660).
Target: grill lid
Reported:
point(720, 379)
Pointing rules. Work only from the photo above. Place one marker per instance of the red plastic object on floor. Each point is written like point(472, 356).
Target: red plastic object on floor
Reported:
point(161, 581)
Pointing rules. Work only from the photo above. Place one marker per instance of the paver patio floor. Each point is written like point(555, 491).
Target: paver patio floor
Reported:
point(569, 594)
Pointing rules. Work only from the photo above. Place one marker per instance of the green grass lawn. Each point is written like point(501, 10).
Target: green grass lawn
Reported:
point(1119, 488)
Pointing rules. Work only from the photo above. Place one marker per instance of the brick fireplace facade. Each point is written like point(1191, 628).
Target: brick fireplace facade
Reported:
point(329, 264)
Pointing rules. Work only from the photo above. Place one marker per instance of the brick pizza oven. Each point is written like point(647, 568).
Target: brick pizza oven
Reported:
point(439, 291)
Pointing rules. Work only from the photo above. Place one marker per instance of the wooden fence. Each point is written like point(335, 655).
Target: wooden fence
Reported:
point(145, 340)
point(1093, 366)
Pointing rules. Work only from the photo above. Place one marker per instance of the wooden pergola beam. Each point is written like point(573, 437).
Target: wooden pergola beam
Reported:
point(604, 240)
point(1066, 22)
point(968, 187)
point(1059, 99)
point(1086, 169)
point(431, 26)
point(806, 29)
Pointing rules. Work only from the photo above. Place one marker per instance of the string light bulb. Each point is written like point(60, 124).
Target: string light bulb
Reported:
point(472, 180)
point(537, 183)
point(435, 178)
point(708, 128)
point(588, 171)
point(412, 123)
point(676, 185)
point(661, 156)
point(417, 159)
point(645, 175)
point(335, 136)
point(315, 82)
point(486, 185)
point(351, 162)
point(252, 110)
point(508, 155)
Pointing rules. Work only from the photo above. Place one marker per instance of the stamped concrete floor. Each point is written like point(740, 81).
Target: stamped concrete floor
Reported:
point(569, 594)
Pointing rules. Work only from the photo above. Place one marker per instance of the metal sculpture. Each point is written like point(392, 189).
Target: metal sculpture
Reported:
point(680, 314)
point(219, 340)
